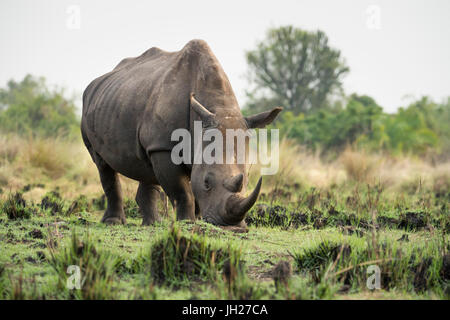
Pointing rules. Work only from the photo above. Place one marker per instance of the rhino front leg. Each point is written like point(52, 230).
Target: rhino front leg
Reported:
point(175, 182)
point(147, 198)
point(114, 213)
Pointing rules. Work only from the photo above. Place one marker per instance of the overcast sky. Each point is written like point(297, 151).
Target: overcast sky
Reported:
point(395, 49)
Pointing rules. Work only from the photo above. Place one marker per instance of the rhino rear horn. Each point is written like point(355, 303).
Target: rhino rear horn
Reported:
point(207, 117)
point(234, 184)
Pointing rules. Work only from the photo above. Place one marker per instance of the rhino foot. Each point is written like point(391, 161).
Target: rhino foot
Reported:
point(148, 222)
point(114, 220)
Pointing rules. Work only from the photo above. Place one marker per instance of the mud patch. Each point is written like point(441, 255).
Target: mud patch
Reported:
point(409, 221)
point(281, 273)
point(52, 202)
point(271, 216)
point(28, 187)
point(36, 234)
point(16, 207)
point(445, 271)
point(420, 274)
point(412, 221)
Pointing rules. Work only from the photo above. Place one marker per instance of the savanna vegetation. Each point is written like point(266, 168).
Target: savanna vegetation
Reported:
point(357, 188)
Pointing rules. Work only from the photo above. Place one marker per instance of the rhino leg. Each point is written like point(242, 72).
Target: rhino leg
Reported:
point(114, 213)
point(197, 210)
point(175, 181)
point(111, 186)
point(147, 198)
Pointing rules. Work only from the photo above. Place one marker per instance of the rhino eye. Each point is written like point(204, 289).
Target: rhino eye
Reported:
point(208, 181)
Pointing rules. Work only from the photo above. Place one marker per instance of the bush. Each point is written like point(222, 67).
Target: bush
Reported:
point(421, 128)
point(30, 108)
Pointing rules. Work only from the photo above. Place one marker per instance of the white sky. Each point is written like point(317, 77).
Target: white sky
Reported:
point(408, 56)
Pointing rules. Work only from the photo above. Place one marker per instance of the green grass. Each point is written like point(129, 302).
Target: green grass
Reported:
point(178, 257)
point(326, 238)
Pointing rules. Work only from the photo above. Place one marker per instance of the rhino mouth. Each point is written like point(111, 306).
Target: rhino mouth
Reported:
point(210, 218)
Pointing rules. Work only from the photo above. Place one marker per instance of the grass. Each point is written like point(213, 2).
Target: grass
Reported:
point(406, 267)
point(177, 258)
point(97, 268)
point(16, 207)
point(313, 233)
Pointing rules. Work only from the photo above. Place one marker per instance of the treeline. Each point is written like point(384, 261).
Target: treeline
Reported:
point(421, 128)
point(293, 68)
point(300, 71)
point(30, 108)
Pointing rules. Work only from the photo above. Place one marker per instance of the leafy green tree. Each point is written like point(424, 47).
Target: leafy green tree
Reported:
point(294, 68)
point(336, 128)
point(422, 128)
point(29, 107)
point(413, 129)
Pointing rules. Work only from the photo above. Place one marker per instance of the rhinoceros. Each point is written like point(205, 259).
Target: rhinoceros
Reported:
point(129, 115)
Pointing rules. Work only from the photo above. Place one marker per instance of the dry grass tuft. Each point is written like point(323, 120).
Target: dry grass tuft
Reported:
point(51, 155)
point(359, 166)
point(9, 148)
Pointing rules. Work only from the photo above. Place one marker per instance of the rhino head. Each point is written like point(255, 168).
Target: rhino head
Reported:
point(220, 188)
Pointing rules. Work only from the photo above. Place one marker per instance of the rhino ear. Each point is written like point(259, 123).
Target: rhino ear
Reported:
point(208, 118)
point(262, 119)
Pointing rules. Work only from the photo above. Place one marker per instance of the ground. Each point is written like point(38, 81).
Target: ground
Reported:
point(307, 237)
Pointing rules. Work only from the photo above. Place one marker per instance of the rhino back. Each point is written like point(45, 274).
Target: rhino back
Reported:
point(132, 110)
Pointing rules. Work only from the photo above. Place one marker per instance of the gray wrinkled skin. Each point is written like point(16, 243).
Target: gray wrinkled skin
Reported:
point(129, 115)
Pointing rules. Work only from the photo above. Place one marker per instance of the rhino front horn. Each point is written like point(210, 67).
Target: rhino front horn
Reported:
point(238, 206)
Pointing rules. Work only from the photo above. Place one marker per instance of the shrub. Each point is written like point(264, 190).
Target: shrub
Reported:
point(30, 108)
point(177, 258)
point(52, 202)
point(97, 268)
point(16, 207)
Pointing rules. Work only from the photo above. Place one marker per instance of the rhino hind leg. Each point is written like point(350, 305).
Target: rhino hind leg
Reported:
point(175, 182)
point(114, 213)
point(147, 198)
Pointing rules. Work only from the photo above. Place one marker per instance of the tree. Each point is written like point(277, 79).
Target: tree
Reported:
point(359, 121)
point(421, 128)
point(295, 69)
point(29, 107)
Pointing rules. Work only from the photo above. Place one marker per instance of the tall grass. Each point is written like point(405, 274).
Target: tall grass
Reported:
point(45, 161)
point(297, 165)
point(97, 268)
point(67, 165)
point(177, 257)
